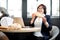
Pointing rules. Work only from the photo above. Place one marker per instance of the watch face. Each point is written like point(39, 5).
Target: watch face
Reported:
point(6, 21)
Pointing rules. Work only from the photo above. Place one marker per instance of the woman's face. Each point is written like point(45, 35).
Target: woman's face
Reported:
point(40, 9)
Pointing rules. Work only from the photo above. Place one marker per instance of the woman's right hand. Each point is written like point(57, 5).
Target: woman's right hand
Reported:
point(33, 17)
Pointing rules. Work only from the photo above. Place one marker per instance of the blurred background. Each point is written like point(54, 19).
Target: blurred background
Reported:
point(25, 8)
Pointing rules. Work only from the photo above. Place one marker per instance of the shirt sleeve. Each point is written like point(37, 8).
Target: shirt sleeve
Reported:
point(49, 22)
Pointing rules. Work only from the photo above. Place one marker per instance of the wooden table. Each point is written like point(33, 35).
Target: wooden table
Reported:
point(27, 29)
point(19, 34)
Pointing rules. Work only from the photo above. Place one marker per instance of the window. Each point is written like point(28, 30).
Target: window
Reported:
point(55, 7)
point(15, 8)
point(32, 6)
point(52, 7)
point(3, 3)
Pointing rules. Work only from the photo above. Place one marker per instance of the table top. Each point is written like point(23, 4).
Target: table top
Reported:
point(27, 29)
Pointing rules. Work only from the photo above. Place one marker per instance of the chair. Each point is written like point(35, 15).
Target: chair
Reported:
point(54, 32)
point(3, 36)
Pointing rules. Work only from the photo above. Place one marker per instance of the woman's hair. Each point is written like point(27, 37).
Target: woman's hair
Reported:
point(44, 7)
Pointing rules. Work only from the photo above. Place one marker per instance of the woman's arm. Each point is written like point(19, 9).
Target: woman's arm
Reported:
point(47, 22)
point(44, 18)
point(33, 17)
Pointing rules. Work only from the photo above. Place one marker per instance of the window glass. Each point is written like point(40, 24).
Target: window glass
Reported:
point(15, 8)
point(55, 7)
point(33, 4)
point(3, 3)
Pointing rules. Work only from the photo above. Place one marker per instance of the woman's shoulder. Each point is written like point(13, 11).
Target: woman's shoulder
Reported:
point(47, 16)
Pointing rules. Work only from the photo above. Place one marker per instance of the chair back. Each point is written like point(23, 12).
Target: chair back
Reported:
point(3, 36)
point(54, 32)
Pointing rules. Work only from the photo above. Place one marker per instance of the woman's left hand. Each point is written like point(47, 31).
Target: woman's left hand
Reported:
point(45, 21)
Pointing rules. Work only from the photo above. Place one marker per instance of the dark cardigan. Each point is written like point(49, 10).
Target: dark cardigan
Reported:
point(45, 31)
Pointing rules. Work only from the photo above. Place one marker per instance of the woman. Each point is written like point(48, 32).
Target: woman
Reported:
point(44, 21)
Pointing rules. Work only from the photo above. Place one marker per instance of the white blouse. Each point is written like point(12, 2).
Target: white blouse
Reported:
point(38, 23)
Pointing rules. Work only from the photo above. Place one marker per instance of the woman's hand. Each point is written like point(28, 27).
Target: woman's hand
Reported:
point(39, 15)
point(45, 21)
point(33, 15)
